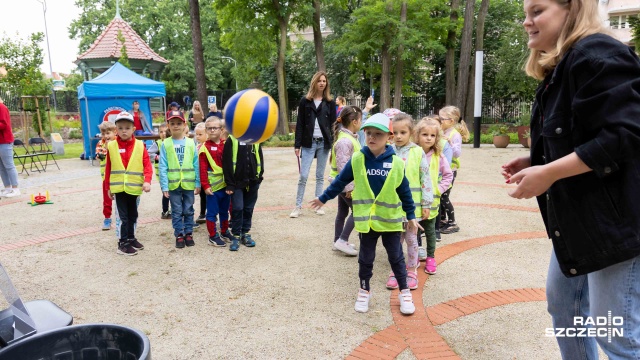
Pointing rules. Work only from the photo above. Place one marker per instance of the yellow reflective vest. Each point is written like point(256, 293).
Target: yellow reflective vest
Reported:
point(180, 176)
point(455, 162)
point(256, 149)
point(382, 213)
point(334, 164)
point(127, 180)
point(434, 170)
point(412, 172)
point(215, 175)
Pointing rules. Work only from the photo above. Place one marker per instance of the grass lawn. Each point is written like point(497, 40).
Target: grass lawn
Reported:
point(71, 151)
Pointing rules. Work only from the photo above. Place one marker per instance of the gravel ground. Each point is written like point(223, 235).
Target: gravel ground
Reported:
point(290, 296)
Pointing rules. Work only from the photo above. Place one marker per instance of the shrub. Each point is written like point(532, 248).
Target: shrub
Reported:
point(75, 134)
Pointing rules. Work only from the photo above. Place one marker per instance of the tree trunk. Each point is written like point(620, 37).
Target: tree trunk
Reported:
point(317, 36)
point(450, 66)
point(397, 87)
point(283, 104)
point(482, 15)
point(198, 52)
point(466, 49)
point(385, 78)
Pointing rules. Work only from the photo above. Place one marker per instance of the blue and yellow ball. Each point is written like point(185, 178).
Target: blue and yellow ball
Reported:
point(251, 116)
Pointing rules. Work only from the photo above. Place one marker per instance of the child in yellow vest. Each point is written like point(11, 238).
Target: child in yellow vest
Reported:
point(450, 118)
point(179, 178)
point(213, 185)
point(417, 173)
point(427, 135)
point(200, 135)
point(128, 172)
point(381, 199)
point(108, 133)
point(345, 144)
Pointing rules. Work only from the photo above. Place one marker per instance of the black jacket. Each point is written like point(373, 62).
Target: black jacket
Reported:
point(246, 172)
point(307, 114)
point(590, 105)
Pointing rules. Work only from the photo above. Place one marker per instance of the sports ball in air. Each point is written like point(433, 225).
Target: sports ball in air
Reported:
point(251, 116)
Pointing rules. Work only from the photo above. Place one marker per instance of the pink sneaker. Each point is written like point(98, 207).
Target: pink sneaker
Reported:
point(430, 266)
point(412, 279)
point(392, 283)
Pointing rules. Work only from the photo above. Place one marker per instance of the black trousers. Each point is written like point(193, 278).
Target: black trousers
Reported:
point(203, 202)
point(165, 204)
point(446, 207)
point(367, 255)
point(242, 203)
point(128, 212)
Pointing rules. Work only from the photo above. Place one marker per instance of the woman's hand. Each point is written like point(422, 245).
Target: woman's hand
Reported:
point(532, 181)
point(514, 166)
point(297, 152)
point(315, 204)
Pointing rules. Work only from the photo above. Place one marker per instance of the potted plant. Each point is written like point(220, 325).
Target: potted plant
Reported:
point(527, 136)
point(523, 126)
point(500, 135)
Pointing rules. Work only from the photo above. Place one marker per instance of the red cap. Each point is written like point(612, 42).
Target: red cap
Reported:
point(175, 115)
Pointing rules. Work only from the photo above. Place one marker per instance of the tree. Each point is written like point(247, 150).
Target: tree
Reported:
point(256, 29)
point(198, 52)
point(317, 36)
point(22, 60)
point(634, 23)
point(124, 58)
point(466, 49)
point(397, 95)
point(165, 26)
point(450, 67)
point(482, 15)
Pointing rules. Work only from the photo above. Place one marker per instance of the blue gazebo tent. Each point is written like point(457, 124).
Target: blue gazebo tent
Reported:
point(102, 98)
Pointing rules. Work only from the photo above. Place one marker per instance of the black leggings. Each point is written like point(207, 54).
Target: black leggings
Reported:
point(446, 207)
point(203, 203)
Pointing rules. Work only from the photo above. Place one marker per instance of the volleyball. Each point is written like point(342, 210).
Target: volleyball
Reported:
point(251, 116)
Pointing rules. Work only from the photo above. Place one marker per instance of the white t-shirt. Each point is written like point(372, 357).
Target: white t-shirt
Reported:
point(317, 133)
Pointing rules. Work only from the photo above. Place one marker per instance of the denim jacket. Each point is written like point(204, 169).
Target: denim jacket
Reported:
point(590, 104)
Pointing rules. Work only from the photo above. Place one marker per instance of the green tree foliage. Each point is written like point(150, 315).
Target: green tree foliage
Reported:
point(165, 26)
point(634, 23)
point(22, 60)
point(124, 58)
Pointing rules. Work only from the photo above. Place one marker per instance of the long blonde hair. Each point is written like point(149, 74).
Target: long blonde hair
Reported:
point(426, 123)
point(583, 20)
point(199, 110)
point(326, 94)
point(458, 123)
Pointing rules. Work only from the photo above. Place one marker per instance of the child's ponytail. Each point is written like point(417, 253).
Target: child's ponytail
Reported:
point(344, 120)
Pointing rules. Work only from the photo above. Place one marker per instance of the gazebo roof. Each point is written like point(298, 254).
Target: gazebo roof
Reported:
point(107, 45)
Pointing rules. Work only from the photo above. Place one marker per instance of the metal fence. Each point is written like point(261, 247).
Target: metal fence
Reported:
point(510, 110)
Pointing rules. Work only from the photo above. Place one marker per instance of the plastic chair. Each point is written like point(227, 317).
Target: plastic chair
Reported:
point(82, 342)
point(39, 147)
point(22, 158)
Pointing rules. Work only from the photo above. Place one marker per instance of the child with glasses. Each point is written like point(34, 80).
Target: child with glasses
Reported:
point(212, 181)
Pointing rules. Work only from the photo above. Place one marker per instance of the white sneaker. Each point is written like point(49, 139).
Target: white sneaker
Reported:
point(422, 254)
point(345, 248)
point(362, 302)
point(320, 212)
point(295, 213)
point(406, 302)
point(353, 246)
point(3, 191)
point(13, 192)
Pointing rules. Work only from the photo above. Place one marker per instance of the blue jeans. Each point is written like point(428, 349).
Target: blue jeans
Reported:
point(306, 158)
point(181, 211)
point(614, 289)
point(242, 203)
point(8, 171)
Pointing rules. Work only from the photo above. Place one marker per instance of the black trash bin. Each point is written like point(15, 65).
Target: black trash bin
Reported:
point(82, 342)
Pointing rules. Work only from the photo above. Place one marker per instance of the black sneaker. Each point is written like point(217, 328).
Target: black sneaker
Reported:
point(451, 228)
point(179, 242)
point(228, 236)
point(215, 240)
point(188, 239)
point(201, 219)
point(166, 215)
point(136, 244)
point(247, 241)
point(125, 248)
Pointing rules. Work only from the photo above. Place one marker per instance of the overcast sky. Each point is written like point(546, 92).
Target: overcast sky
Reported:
point(25, 17)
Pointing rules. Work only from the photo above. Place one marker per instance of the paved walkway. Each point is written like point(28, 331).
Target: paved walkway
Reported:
point(433, 332)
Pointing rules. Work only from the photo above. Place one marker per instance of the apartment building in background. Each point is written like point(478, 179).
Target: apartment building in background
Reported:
point(616, 14)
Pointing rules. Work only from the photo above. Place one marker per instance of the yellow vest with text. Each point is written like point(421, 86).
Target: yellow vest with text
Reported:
point(256, 148)
point(334, 163)
point(215, 176)
point(434, 170)
point(412, 172)
point(382, 213)
point(127, 180)
point(455, 162)
point(180, 176)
